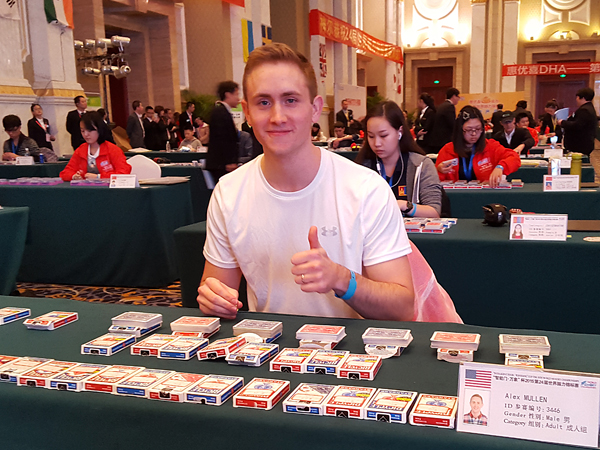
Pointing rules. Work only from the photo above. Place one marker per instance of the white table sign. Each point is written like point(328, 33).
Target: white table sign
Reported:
point(535, 404)
point(538, 227)
point(553, 152)
point(25, 161)
point(123, 181)
point(561, 183)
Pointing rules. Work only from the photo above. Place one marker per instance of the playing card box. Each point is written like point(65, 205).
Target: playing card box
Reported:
point(267, 329)
point(291, 360)
point(308, 398)
point(327, 333)
point(214, 389)
point(106, 380)
point(39, 376)
point(183, 348)
point(221, 348)
point(359, 367)
point(152, 344)
point(455, 341)
point(535, 363)
point(137, 319)
point(326, 362)
point(51, 321)
point(388, 405)
point(385, 351)
point(138, 385)
point(348, 401)
point(261, 393)
point(434, 410)
point(387, 336)
point(73, 378)
point(254, 355)
point(189, 334)
point(205, 325)
point(11, 313)
point(173, 387)
point(454, 356)
point(517, 183)
point(10, 371)
point(108, 344)
point(434, 227)
point(5, 359)
point(511, 343)
point(316, 345)
point(133, 330)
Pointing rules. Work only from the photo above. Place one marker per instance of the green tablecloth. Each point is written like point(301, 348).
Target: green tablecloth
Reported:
point(101, 236)
point(39, 418)
point(347, 154)
point(175, 157)
point(536, 174)
point(13, 232)
point(11, 171)
point(467, 203)
point(198, 190)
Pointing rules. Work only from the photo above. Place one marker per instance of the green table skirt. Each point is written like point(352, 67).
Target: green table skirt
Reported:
point(37, 170)
point(198, 189)
point(13, 232)
point(536, 174)
point(176, 157)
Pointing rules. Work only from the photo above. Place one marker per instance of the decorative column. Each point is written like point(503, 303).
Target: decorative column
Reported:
point(478, 12)
point(340, 51)
point(390, 36)
point(510, 41)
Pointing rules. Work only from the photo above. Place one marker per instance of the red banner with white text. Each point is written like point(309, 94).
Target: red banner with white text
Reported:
point(524, 70)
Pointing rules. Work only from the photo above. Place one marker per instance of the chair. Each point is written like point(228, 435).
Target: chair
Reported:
point(144, 167)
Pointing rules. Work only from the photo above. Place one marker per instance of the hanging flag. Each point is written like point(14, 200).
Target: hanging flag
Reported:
point(247, 38)
point(9, 9)
point(59, 12)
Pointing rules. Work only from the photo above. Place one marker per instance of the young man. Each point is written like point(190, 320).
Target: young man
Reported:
point(17, 143)
point(475, 416)
point(580, 129)
point(519, 139)
point(345, 116)
point(341, 138)
point(312, 232)
point(73, 119)
point(522, 121)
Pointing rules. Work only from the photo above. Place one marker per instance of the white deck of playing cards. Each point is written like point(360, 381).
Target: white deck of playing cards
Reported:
point(133, 330)
point(326, 362)
point(152, 344)
point(72, 379)
point(349, 401)
point(10, 314)
point(387, 336)
point(359, 367)
point(308, 398)
point(221, 348)
point(455, 341)
point(107, 344)
point(434, 410)
point(205, 325)
point(214, 389)
point(137, 319)
point(10, 371)
point(51, 321)
point(291, 360)
point(261, 393)
point(106, 380)
point(40, 375)
point(511, 343)
point(137, 385)
point(172, 388)
point(254, 355)
point(454, 356)
point(385, 351)
point(389, 405)
point(182, 348)
point(326, 333)
point(266, 329)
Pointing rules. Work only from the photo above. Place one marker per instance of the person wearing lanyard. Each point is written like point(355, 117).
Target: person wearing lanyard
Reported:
point(391, 150)
point(470, 156)
point(96, 158)
point(18, 144)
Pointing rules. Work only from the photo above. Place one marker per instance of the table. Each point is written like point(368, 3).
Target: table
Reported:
point(530, 174)
point(351, 155)
point(101, 236)
point(199, 191)
point(175, 157)
point(467, 203)
point(13, 232)
point(99, 421)
point(12, 171)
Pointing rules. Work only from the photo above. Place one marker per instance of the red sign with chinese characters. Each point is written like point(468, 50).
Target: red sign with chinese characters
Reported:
point(337, 30)
point(524, 70)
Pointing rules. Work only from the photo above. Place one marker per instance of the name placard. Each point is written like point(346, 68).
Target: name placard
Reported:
point(553, 152)
point(538, 227)
point(561, 183)
point(123, 181)
point(534, 404)
point(25, 161)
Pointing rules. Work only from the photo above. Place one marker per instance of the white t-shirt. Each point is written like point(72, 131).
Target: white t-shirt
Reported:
point(254, 227)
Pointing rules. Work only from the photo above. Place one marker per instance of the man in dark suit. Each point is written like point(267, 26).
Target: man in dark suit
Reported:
point(425, 121)
point(151, 132)
point(38, 128)
point(135, 127)
point(443, 126)
point(519, 139)
point(73, 119)
point(580, 129)
point(222, 156)
point(496, 118)
point(345, 116)
point(188, 116)
point(522, 108)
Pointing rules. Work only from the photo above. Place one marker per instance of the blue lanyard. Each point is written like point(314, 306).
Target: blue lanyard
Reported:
point(14, 148)
point(383, 174)
point(469, 173)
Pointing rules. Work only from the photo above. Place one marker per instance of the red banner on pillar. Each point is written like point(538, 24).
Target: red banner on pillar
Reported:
point(337, 30)
point(527, 70)
point(235, 2)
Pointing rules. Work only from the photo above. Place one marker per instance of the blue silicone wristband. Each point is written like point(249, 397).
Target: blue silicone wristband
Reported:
point(500, 167)
point(351, 288)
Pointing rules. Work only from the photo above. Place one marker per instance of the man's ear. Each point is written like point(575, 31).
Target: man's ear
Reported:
point(317, 106)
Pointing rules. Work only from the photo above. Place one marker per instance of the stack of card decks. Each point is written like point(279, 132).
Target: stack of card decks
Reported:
point(221, 348)
point(359, 367)
point(173, 387)
point(308, 398)
point(73, 378)
point(446, 344)
point(253, 355)
point(108, 344)
point(51, 321)
point(424, 225)
point(196, 326)
point(152, 344)
point(524, 351)
point(324, 337)
point(214, 389)
point(106, 380)
point(139, 384)
point(183, 348)
point(348, 401)
point(269, 331)
point(261, 393)
point(434, 410)
point(11, 370)
point(326, 362)
point(136, 323)
point(39, 376)
point(11, 313)
point(386, 342)
point(388, 405)
point(292, 360)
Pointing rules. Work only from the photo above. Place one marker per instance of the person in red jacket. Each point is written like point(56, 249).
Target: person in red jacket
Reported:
point(470, 156)
point(97, 158)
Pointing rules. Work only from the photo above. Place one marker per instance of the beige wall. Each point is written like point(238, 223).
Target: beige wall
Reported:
point(289, 19)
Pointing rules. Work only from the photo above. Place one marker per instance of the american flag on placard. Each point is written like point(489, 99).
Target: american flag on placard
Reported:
point(478, 378)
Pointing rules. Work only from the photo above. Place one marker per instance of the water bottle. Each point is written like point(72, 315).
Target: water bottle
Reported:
point(27, 151)
point(168, 146)
point(42, 161)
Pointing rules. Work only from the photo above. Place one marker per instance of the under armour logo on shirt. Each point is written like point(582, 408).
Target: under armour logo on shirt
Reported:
point(332, 232)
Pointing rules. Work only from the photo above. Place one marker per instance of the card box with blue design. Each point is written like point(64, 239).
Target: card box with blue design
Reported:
point(434, 410)
point(221, 348)
point(10, 371)
point(261, 393)
point(137, 319)
point(133, 330)
point(359, 367)
point(291, 360)
point(183, 348)
point(205, 325)
point(253, 355)
point(40, 375)
point(152, 344)
point(349, 401)
point(173, 388)
point(106, 380)
point(326, 362)
point(108, 344)
point(324, 333)
point(137, 385)
point(387, 336)
point(308, 398)
point(389, 405)
point(51, 321)
point(11, 313)
point(72, 379)
point(266, 329)
point(214, 389)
